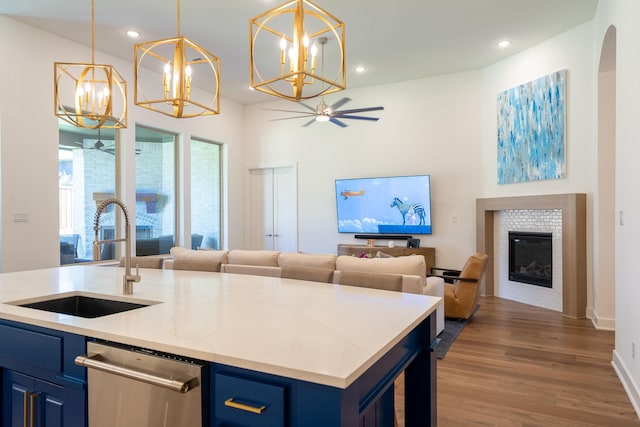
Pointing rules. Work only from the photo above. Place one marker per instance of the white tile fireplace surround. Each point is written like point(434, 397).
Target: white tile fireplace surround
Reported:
point(531, 220)
point(570, 281)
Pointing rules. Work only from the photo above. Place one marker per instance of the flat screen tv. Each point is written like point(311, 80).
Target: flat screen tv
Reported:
point(384, 205)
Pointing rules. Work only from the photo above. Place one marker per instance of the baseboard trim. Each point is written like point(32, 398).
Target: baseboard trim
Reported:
point(627, 382)
point(603, 323)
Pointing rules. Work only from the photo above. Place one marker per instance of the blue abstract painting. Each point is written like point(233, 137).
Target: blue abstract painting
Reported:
point(531, 130)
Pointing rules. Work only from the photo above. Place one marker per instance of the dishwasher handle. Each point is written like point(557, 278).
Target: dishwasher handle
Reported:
point(93, 361)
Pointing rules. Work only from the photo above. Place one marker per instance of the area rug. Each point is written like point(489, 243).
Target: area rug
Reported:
point(452, 328)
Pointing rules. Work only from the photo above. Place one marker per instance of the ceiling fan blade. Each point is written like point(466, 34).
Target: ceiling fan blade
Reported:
point(289, 111)
point(338, 122)
point(358, 110)
point(293, 117)
point(339, 103)
point(308, 107)
point(373, 119)
point(309, 123)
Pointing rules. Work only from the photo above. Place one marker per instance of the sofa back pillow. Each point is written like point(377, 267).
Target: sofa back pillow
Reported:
point(185, 257)
point(264, 258)
point(294, 259)
point(411, 264)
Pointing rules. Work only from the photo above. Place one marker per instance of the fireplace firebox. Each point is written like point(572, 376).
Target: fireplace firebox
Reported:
point(530, 258)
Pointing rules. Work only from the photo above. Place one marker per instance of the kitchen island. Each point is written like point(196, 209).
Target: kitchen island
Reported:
point(333, 350)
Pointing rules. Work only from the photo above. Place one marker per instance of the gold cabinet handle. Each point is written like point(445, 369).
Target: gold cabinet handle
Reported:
point(244, 407)
point(32, 404)
point(25, 409)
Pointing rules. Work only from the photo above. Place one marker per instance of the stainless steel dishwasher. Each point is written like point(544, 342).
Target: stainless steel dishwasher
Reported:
point(137, 387)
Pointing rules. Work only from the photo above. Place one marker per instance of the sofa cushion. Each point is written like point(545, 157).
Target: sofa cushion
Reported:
point(184, 257)
point(313, 274)
point(388, 282)
point(253, 270)
point(411, 264)
point(262, 258)
point(143, 262)
point(196, 265)
point(290, 259)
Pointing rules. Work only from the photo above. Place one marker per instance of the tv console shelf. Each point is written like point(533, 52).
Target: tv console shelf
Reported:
point(429, 254)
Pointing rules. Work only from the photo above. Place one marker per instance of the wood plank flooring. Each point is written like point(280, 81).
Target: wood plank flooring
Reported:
point(519, 365)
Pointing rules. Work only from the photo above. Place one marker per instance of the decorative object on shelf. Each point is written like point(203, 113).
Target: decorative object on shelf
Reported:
point(325, 113)
point(531, 130)
point(371, 243)
point(167, 73)
point(90, 95)
point(284, 49)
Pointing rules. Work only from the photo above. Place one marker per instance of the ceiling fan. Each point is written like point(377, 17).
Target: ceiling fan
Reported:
point(329, 113)
point(100, 146)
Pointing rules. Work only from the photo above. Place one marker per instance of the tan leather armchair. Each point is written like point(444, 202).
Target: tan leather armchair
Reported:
point(461, 297)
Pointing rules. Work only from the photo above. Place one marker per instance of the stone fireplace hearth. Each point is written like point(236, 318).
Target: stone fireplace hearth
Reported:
point(572, 270)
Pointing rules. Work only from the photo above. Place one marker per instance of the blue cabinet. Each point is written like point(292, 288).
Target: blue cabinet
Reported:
point(31, 401)
point(242, 397)
point(41, 386)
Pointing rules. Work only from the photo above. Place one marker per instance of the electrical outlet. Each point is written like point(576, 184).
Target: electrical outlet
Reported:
point(454, 219)
point(621, 218)
point(20, 217)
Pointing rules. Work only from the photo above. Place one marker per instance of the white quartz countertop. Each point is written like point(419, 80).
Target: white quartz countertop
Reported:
point(323, 333)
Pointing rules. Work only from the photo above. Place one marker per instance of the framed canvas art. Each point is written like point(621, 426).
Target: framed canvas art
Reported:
point(531, 130)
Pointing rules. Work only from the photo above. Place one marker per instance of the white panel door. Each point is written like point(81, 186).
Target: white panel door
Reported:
point(273, 212)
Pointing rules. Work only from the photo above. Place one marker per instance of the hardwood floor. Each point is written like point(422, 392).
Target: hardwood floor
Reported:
point(519, 365)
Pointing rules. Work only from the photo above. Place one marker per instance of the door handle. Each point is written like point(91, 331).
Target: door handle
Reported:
point(268, 235)
point(94, 361)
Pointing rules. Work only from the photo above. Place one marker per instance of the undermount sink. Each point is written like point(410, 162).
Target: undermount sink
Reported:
point(88, 306)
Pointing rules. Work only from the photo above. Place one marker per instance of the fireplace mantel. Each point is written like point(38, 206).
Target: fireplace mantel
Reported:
point(574, 245)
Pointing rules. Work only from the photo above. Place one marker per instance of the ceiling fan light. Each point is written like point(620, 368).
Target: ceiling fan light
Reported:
point(322, 118)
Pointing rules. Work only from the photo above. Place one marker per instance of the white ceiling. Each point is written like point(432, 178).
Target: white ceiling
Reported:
point(395, 40)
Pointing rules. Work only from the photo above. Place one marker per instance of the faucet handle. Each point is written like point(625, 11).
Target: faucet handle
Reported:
point(136, 277)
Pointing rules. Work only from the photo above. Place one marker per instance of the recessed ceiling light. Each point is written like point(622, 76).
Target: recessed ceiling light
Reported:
point(360, 69)
point(504, 43)
point(133, 34)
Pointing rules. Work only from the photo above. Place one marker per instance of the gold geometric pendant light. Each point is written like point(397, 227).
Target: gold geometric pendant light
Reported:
point(90, 95)
point(176, 77)
point(284, 49)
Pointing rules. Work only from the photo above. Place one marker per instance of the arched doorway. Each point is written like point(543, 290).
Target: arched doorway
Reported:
point(605, 204)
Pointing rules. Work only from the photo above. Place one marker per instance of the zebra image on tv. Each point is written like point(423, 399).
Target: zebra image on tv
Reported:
point(412, 209)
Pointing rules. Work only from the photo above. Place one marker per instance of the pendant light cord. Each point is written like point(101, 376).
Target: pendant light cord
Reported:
point(93, 55)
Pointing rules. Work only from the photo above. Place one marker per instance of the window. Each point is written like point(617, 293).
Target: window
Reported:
point(206, 170)
point(86, 172)
point(155, 191)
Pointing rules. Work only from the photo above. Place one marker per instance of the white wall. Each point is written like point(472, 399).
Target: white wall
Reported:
point(29, 144)
point(624, 15)
point(427, 126)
